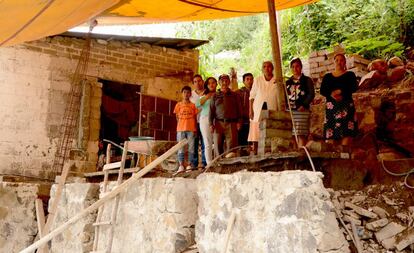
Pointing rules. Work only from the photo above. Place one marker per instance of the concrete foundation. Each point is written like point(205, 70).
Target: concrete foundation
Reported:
point(155, 215)
point(278, 212)
point(18, 226)
point(79, 237)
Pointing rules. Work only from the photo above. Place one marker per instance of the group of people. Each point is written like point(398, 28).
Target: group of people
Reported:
point(220, 120)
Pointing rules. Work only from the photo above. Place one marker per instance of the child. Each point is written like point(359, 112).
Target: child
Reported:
point(186, 113)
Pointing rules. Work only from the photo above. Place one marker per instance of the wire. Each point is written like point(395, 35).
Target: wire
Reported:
point(294, 129)
point(406, 174)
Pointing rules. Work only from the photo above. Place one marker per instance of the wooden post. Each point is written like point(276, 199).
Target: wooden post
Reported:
point(276, 55)
point(230, 225)
point(104, 199)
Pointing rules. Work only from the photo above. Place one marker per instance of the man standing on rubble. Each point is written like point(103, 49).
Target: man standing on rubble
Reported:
point(196, 93)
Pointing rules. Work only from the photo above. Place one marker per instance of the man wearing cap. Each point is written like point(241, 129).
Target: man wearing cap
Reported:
point(225, 116)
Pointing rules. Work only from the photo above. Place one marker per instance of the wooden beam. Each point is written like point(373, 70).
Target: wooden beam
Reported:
point(277, 59)
point(104, 199)
point(40, 217)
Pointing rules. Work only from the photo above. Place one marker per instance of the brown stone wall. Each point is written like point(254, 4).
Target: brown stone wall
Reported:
point(35, 82)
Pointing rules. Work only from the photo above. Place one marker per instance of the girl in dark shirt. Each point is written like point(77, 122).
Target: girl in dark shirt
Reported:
point(300, 93)
point(337, 87)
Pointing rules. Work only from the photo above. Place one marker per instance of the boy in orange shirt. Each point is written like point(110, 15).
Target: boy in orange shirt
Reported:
point(186, 113)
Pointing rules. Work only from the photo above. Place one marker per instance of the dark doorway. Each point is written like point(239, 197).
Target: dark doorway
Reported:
point(119, 110)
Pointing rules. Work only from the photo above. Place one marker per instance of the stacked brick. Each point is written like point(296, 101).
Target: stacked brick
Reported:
point(321, 62)
point(158, 119)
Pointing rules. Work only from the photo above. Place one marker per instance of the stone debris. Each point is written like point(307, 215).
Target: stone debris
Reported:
point(375, 225)
point(388, 231)
point(361, 211)
point(383, 215)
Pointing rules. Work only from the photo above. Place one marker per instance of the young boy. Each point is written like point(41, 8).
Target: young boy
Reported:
point(186, 113)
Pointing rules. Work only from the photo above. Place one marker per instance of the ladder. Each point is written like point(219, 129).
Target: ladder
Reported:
point(112, 221)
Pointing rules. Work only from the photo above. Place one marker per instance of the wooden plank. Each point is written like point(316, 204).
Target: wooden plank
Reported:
point(106, 198)
point(40, 217)
point(54, 206)
point(229, 229)
point(117, 198)
point(110, 172)
point(111, 166)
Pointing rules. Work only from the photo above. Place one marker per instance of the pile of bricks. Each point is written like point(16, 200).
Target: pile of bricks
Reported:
point(321, 62)
point(380, 216)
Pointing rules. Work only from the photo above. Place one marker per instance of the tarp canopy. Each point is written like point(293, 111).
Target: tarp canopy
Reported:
point(26, 20)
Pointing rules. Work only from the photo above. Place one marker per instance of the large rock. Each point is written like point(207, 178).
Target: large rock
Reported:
point(79, 236)
point(18, 226)
point(277, 212)
point(155, 215)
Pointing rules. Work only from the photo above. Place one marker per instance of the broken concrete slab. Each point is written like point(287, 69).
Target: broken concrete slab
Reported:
point(388, 231)
point(361, 211)
point(405, 239)
point(279, 212)
point(375, 225)
point(18, 226)
point(380, 211)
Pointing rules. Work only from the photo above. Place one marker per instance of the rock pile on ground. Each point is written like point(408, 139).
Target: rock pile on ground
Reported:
point(383, 216)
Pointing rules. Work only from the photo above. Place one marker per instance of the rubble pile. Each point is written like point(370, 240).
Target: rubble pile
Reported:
point(381, 216)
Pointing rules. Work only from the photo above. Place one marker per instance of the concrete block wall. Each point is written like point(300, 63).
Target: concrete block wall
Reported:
point(18, 227)
point(35, 82)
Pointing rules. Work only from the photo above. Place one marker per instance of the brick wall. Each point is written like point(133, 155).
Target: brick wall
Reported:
point(321, 62)
point(35, 84)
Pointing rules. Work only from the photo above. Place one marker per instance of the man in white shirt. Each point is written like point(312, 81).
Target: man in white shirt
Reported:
point(264, 90)
point(196, 93)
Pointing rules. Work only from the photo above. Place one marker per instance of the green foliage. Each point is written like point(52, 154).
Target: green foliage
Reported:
point(371, 28)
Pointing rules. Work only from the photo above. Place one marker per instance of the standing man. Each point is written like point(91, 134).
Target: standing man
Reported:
point(244, 94)
point(197, 92)
point(225, 116)
point(264, 90)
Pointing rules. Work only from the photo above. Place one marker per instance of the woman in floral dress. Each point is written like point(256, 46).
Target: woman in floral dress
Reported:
point(337, 87)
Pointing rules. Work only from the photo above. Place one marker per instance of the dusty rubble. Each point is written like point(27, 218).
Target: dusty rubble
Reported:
point(383, 216)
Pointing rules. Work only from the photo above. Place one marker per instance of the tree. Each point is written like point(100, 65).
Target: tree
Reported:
point(371, 28)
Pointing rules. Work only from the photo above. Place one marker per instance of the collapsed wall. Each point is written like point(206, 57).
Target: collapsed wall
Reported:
point(18, 226)
point(279, 212)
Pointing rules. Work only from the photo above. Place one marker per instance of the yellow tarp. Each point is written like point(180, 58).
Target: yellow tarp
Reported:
point(26, 20)
point(133, 11)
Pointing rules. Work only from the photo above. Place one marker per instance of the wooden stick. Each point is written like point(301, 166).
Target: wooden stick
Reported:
point(117, 199)
point(105, 198)
point(356, 237)
point(40, 217)
point(101, 208)
point(230, 224)
point(52, 211)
